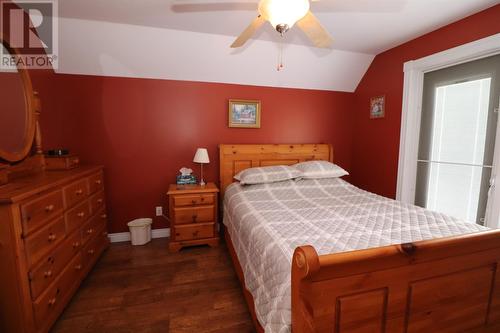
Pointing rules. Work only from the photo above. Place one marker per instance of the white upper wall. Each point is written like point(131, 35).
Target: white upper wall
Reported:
point(112, 49)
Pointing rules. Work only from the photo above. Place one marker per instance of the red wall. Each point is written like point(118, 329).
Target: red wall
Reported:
point(143, 131)
point(376, 142)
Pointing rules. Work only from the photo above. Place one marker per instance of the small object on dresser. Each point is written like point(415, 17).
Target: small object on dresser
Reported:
point(61, 162)
point(57, 152)
point(186, 177)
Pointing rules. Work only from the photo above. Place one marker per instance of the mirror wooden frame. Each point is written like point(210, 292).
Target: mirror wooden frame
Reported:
point(29, 95)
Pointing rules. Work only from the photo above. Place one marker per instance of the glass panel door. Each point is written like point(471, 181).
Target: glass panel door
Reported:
point(457, 139)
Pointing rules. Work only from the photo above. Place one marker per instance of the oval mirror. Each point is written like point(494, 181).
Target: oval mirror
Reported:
point(17, 122)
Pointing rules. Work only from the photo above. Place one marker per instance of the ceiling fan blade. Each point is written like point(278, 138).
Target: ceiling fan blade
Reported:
point(187, 6)
point(360, 6)
point(249, 31)
point(315, 31)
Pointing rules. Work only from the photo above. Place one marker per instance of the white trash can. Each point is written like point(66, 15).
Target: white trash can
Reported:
point(140, 231)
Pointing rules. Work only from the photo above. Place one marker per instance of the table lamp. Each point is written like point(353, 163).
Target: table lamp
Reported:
point(201, 157)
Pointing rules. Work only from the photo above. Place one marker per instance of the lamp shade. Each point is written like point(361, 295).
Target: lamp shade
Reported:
point(201, 156)
point(283, 11)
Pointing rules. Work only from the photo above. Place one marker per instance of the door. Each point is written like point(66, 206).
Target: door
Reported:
point(456, 167)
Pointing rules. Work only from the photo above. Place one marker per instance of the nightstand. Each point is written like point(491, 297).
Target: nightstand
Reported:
point(192, 210)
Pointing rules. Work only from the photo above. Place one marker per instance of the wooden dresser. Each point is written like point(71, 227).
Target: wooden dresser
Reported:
point(52, 231)
point(193, 215)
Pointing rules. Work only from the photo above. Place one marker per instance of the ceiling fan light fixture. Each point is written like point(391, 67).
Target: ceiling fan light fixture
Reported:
point(283, 12)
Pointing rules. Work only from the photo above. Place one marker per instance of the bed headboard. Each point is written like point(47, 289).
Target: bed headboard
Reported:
point(234, 158)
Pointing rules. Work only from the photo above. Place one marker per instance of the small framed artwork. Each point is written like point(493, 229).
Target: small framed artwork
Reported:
point(244, 113)
point(377, 107)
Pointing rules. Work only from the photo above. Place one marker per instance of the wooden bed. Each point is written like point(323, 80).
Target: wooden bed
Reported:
point(440, 285)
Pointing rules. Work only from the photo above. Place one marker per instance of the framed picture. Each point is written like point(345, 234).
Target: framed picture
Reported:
point(377, 107)
point(244, 113)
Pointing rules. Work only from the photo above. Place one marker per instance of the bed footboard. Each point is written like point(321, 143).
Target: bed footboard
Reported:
point(441, 285)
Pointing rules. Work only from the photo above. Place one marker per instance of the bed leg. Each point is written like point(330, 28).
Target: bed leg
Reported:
point(305, 263)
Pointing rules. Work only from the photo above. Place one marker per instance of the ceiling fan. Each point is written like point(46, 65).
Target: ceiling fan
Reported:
point(283, 15)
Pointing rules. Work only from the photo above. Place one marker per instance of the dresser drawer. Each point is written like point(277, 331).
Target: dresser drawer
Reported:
point(75, 192)
point(53, 263)
point(93, 226)
point(193, 199)
point(96, 202)
point(194, 214)
point(50, 303)
point(94, 248)
point(44, 240)
point(205, 230)
point(96, 182)
point(35, 212)
point(77, 216)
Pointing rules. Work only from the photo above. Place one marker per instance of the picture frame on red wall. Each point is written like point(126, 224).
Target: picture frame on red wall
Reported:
point(377, 107)
point(244, 113)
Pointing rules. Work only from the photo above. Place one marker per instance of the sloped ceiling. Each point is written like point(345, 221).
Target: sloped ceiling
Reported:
point(189, 40)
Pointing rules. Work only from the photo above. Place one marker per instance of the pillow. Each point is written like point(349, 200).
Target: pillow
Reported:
point(269, 174)
point(320, 169)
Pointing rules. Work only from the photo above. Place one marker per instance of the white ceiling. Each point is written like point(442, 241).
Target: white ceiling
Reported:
point(125, 50)
point(364, 26)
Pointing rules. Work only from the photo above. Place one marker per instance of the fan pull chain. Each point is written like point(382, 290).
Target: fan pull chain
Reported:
point(280, 66)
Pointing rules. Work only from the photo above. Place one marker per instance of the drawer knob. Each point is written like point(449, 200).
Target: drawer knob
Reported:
point(91, 252)
point(76, 244)
point(195, 217)
point(98, 182)
point(195, 233)
point(103, 216)
point(99, 201)
point(78, 267)
point(202, 199)
point(90, 231)
point(79, 192)
point(52, 237)
point(47, 274)
point(51, 260)
point(81, 214)
point(49, 208)
point(193, 202)
point(52, 301)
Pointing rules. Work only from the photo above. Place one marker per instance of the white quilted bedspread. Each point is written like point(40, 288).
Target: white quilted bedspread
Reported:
point(267, 222)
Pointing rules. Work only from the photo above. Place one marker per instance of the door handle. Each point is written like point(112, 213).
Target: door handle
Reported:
point(492, 185)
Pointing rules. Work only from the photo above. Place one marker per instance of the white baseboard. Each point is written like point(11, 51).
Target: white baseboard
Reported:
point(125, 236)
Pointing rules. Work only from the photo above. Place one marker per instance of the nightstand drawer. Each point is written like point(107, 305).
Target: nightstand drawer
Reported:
point(194, 214)
point(194, 232)
point(192, 210)
point(193, 199)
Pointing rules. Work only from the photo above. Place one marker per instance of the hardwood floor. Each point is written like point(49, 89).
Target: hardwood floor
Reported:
point(148, 289)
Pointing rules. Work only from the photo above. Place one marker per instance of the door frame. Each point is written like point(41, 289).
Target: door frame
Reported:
point(414, 71)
